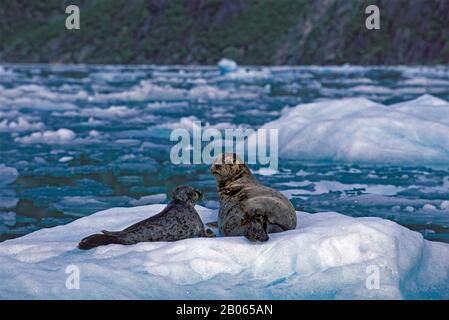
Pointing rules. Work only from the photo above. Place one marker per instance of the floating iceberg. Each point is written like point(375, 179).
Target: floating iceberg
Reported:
point(329, 256)
point(227, 65)
point(359, 130)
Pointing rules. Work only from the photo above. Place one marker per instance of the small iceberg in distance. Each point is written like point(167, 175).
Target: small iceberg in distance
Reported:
point(358, 130)
point(226, 66)
point(230, 70)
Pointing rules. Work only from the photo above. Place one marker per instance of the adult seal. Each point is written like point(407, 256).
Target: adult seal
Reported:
point(248, 208)
point(179, 220)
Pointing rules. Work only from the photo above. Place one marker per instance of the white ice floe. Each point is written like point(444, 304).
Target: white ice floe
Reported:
point(247, 74)
point(61, 136)
point(8, 218)
point(41, 104)
point(148, 91)
point(112, 112)
point(65, 159)
point(8, 198)
point(21, 124)
point(326, 186)
point(151, 199)
point(328, 256)
point(359, 130)
point(5, 72)
point(422, 81)
point(7, 174)
point(208, 92)
point(145, 90)
point(35, 97)
point(426, 107)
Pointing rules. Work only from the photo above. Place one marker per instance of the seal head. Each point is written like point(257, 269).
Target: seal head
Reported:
point(229, 167)
point(187, 194)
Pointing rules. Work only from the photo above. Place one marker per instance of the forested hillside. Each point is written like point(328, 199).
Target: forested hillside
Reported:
point(248, 31)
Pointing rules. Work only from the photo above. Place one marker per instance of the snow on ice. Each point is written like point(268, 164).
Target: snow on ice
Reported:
point(328, 256)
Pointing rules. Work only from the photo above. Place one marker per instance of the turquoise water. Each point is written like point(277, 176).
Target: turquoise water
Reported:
point(114, 149)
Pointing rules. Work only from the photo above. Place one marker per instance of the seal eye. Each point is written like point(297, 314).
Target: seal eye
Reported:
point(199, 194)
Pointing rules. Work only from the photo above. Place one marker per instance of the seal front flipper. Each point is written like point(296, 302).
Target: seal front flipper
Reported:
point(256, 230)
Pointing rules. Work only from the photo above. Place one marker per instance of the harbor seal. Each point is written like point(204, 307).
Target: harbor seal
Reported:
point(179, 220)
point(248, 208)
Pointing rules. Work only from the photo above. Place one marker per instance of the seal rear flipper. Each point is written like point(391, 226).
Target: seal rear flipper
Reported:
point(97, 240)
point(110, 233)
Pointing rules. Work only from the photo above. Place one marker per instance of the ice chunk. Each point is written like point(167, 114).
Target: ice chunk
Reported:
point(444, 205)
point(359, 130)
point(65, 159)
point(112, 112)
point(61, 136)
point(145, 90)
point(7, 174)
point(207, 92)
point(247, 74)
point(429, 207)
point(8, 198)
point(22, 124)
point(328, 256)
point(8, 218)
point(154, 198)
point(426, 107)
point(227, 65)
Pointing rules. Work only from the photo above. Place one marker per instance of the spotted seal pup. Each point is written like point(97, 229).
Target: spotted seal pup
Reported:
point(179, 220)
point(248, 208)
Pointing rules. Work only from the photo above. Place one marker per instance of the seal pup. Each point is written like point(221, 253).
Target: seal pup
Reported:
point(248, 208)
point(179, 220)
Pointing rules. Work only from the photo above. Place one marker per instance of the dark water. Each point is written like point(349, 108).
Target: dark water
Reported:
point(114, 147)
